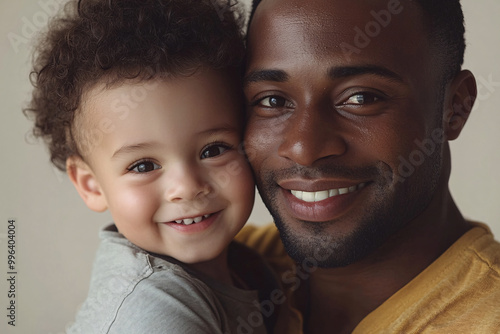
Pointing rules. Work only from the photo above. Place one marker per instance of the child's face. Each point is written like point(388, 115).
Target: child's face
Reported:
point(170, 152)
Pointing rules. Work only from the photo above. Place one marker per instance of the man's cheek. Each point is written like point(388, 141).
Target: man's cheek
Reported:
point(260, 144)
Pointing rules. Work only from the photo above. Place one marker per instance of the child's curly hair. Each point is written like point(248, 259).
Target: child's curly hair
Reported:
point(114, 40)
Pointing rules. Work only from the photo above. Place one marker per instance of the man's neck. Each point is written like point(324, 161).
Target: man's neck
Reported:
point(343, 297)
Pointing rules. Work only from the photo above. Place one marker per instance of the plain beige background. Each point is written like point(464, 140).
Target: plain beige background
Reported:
point(57, 234)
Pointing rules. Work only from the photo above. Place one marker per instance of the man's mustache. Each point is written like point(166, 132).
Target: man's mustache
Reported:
point(327, 170)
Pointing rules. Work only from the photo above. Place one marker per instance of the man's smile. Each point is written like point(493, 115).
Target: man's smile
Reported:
point(322, 199)
point(317, 196)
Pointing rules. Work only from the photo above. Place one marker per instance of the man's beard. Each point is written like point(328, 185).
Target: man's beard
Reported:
point(392, 207)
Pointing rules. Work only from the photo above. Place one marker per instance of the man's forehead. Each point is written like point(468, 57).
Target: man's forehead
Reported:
point(329, 19)
point(323, 11)
point(318, 34)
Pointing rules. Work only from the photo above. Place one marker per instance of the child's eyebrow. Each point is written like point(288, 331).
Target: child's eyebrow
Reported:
point(127, 149)
point(131, 148)
point(225, 128)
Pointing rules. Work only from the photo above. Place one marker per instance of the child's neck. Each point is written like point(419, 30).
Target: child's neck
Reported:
point(217, 268)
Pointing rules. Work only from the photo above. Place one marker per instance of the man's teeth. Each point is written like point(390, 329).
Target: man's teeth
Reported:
point(189, 221)
point(317, 196)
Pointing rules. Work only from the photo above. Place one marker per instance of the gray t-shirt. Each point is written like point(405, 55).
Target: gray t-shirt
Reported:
point(135, 292)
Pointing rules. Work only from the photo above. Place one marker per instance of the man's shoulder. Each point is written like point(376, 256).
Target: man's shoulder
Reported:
point(484, 248)
point(458, 293)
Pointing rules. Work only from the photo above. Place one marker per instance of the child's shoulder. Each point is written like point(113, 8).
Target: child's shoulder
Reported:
point(128, 265)
point(129, 286)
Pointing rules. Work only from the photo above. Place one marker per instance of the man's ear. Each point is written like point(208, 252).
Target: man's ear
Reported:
point(86, 184)
point(460, 99)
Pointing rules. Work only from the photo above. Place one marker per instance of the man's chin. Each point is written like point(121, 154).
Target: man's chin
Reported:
point(318, 244)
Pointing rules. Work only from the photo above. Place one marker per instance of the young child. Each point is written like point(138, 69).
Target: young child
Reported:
point(139, 101)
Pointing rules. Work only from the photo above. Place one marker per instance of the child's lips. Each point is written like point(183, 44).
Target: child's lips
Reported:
point(189, 225)
point(189, 221)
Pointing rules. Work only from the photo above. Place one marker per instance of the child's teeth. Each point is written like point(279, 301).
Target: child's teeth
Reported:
point(188, 221)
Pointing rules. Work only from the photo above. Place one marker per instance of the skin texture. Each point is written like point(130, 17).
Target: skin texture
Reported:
point(168, 156)
point(376, 122)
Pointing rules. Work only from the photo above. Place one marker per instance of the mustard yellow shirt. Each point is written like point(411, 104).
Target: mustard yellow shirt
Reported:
point(457, 293)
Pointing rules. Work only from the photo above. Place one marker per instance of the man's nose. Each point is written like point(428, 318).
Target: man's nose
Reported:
point(311, 134)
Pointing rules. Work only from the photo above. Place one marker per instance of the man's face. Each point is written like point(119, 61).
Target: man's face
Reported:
point(345, 128)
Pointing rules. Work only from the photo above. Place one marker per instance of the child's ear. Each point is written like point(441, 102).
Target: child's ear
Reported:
point(460, 100)
point(86, 184)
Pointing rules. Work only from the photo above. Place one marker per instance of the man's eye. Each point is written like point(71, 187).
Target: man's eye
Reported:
point(214, 150)
point(361, 99)
point(144, 167)
point(275, 102)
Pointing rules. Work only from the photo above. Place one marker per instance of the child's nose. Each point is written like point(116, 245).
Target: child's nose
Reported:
point(186, 185)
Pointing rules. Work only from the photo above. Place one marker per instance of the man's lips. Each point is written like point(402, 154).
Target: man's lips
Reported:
point(333, 187)
point(320, 200)
point(317, 196)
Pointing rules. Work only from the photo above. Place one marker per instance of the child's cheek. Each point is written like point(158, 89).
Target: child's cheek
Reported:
point(242, 186)
point(134, 207)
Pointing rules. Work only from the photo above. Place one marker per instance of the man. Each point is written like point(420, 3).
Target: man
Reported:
point(351, 107)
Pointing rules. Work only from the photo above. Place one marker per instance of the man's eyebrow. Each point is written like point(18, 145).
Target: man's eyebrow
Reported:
point(333, 73)
point(265, 75)
point(349, 71)
point(131, 149)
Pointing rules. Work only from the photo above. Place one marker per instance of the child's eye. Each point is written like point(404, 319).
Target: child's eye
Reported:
point(144, 167)
point(214, 150)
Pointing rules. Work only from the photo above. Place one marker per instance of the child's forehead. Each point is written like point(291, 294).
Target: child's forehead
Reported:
point(118, 98)
point(136, 90)
point(134, 107)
